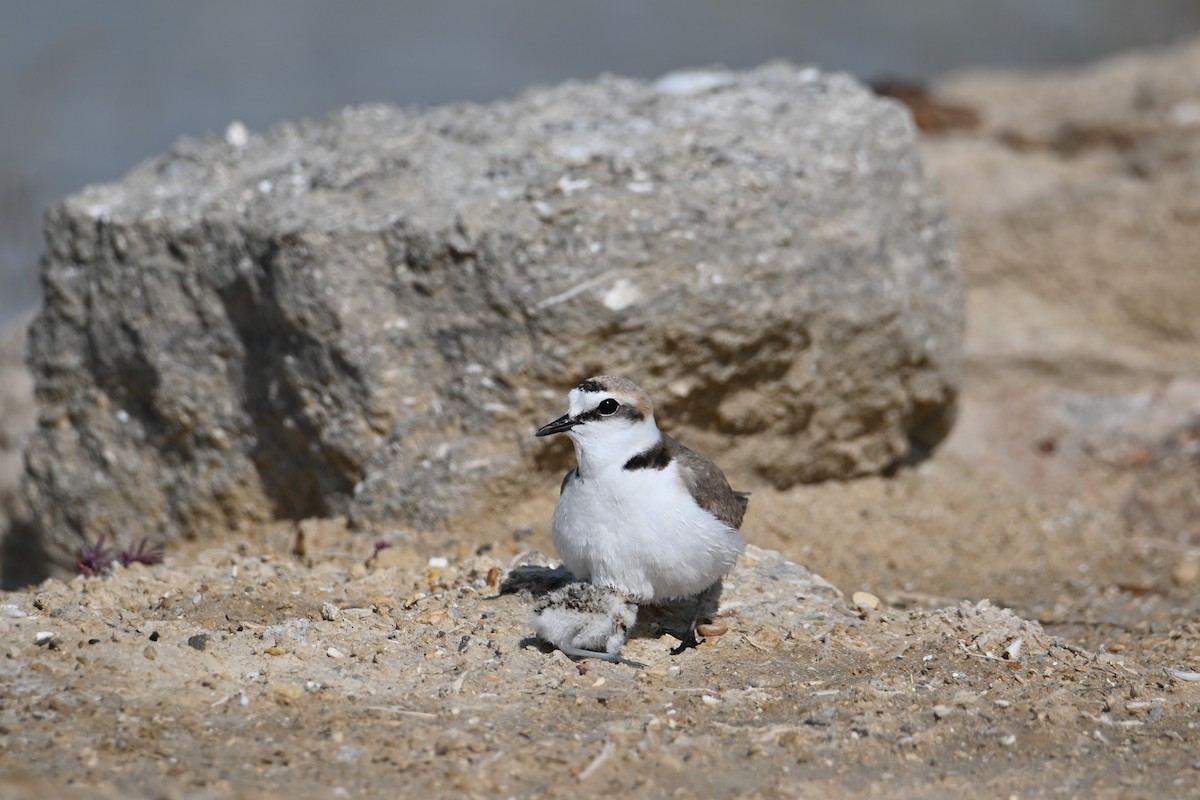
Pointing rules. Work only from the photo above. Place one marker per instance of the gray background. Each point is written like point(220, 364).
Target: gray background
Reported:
point(91, 88)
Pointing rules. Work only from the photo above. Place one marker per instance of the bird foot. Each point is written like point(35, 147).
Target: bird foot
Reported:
point(687, 641)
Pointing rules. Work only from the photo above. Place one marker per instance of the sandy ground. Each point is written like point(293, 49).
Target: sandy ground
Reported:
point(232, 672)
point(1027, 618)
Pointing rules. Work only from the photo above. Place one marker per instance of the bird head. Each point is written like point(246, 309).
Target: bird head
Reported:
point(609, 419)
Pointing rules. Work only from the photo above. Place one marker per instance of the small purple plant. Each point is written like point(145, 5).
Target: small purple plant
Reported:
point(382, 544)
point(141, 552)
point(94, 558)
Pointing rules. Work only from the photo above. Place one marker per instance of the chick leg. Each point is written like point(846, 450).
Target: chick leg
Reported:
point(612, 658)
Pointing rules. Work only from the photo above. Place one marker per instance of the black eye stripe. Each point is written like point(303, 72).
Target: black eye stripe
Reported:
point(623, 412)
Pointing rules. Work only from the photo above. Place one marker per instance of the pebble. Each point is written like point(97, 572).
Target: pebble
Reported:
point(333, 652)
point(330, 612)
point(15, 613)
point(294, 629)
point(199, 641)
point(941, 712)
point(1013, 651)
point(711, 630)
point(237, 134)
point(43, 637)
point(1186, 571)
point(1185, 114)
point(865, 601)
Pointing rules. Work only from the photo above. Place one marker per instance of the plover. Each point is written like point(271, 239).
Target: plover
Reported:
point(585, 620)
point(641, 514)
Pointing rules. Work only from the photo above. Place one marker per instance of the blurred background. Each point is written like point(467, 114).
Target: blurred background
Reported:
point(90, 89)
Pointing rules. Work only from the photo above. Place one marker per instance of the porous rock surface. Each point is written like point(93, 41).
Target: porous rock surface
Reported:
point(368, 314)
point(16, 415)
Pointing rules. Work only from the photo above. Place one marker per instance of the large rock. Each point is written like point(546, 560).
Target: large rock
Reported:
point(370, 313)
point(21, 561)
point(17, 415)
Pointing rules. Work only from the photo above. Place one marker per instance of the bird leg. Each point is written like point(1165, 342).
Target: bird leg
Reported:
point(612, 658)
point(688, 640)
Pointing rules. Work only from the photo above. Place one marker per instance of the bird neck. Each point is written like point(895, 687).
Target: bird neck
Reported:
point(602, 450)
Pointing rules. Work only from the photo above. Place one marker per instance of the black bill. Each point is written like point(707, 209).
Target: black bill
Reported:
point(563, 423)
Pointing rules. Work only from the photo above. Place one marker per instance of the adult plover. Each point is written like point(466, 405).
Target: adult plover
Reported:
point(641, 515)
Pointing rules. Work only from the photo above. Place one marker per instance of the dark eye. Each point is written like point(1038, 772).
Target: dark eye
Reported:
point(608, 407)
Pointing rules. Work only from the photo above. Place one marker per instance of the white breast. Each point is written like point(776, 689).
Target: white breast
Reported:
point(640, 531)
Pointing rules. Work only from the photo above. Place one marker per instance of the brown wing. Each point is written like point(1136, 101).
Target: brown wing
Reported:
point(708, 485)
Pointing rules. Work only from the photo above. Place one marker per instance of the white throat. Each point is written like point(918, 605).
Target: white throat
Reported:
point(602, 446)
